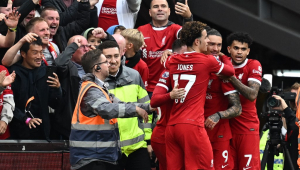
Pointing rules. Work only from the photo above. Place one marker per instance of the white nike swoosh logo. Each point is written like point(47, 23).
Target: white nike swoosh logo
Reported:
point(223, 166)
point(246, 168)
point(146, 37)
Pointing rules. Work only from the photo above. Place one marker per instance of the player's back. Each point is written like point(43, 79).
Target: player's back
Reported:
point(191, 71)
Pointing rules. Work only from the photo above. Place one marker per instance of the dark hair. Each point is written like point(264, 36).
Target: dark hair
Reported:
point(26, 45)
point(108, 44)
point(50, 8)
point(213, 31)
point(90, 59)
point(32, 23)
point(191, 31)
point(177, 44)
point(242, 37)
point(89, 34)
point(152, 0)
point(120, 27)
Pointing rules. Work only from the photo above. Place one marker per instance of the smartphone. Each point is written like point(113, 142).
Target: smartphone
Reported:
point(3, 3)
point(50, 71)
point(181, 1)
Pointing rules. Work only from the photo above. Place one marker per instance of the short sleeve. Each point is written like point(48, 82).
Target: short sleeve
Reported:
point(255, 71)
point(164, 80)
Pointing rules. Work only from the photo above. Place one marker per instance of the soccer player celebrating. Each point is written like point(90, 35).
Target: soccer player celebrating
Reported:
point(187, 143)
point(219, 95)
point(247, 80)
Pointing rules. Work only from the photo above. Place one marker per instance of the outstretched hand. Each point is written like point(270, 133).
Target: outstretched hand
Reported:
point(183, 9)
point(12, 20)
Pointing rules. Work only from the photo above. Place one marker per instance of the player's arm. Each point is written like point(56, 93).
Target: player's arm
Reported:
point(234, 110)
point(250, 91)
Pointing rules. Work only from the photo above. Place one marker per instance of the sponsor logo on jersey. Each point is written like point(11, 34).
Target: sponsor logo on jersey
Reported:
point(166, 74)
point(111, 11)
point(209, 83)
point(163, 41)
point(256, 71)
point(241, 76)
point(208, 96)
point(155, 54)
point(162, 80)
point(185, 67)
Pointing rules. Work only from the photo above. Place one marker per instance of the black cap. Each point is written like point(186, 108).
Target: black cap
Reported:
point(18, 3)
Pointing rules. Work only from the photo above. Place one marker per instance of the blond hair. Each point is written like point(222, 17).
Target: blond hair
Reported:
point(135, 37)
point(295, 86)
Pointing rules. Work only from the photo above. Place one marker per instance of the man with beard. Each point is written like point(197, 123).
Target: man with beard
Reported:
point(219, 95)
point(247, 80)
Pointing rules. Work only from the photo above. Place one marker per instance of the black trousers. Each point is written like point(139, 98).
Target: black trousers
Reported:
point(138, 160)
point(98, 165)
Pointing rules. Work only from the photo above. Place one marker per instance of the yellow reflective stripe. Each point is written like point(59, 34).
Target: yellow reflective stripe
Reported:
point(88, 144)
point(132, 141)
point(107, 126)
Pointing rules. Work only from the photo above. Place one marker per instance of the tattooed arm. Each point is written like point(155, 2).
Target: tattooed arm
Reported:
point(234, 110)
point(250, 91)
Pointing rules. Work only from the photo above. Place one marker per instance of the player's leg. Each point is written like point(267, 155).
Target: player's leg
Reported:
point(197, 147)
point(248, 153)
point(160, 153)
point(221, 151)
point(233, 157)
point(174, 153)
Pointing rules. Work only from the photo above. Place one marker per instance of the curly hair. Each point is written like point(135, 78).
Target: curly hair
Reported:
point(242, 37)
point(191, 31)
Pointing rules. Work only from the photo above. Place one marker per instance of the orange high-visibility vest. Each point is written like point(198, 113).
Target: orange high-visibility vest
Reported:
point(297, 120)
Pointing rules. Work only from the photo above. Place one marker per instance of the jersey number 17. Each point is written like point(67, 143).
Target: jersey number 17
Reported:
point(190, 78)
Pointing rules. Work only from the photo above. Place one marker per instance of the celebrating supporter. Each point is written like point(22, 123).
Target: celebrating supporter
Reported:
point(115, 29)
point(36, 27)
point(134, 41)
point(185, 133)
point(68, 10)
point(159, 35)
point(31, 115)
point(94, 139)
point(247, 80)
point(92, 40)
point(126, 84)
point(219, 95)
point(7, 104)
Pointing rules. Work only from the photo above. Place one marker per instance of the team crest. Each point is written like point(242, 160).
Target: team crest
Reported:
point(166, 74)
point(241, 76)
point(163, 41)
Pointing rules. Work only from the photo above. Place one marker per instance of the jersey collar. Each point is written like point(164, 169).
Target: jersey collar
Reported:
point(242, 65)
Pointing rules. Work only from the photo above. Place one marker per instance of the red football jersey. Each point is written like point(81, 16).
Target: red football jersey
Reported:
point(142, 68)
point(7, 92)
point(162, 100)
point(191, 71)
point(157, 40)
point(247, 122)
point(108, 14)
point(216, 100)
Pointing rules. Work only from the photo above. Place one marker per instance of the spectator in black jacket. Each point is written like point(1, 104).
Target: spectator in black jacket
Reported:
point(292, 128)
point(33, 86)
point(68, 11)
point(61, 34)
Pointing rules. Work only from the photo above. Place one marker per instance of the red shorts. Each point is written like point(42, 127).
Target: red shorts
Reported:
point(245, 151)
point(221, 152)
point(160, 152)
point(188, 147)
point(158, 146)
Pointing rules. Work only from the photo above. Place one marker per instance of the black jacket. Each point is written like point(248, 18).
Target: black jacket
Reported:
point(64, 33)
point(28, 83)
point(292, 137)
